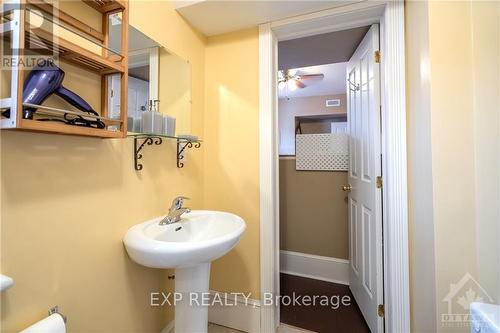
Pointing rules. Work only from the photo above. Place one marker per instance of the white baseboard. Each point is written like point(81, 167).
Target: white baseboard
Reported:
point(284, 328)
point(315, 267)
point(243, 315)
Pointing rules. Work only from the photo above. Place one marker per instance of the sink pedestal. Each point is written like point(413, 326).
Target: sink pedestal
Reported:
point(188, 246)
point(190, 313)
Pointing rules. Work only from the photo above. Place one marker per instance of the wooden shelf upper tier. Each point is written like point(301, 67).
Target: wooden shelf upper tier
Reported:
point(106, 6)
point(73, 53)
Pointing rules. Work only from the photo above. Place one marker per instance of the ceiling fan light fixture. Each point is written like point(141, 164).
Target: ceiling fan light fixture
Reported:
point(281, 75)
point(292, 84)
point(281, 85)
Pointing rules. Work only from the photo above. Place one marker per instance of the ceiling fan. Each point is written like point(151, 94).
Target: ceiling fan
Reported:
point(293, 79)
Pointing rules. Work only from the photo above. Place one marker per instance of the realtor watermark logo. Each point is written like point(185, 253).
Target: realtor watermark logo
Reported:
point(40, 47)
point(158, 299)
point(459, 298)
point(199, 299)
point(333, 301)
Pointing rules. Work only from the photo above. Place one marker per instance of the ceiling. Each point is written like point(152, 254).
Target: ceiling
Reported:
point(141, 73)
point(213, 17)
point(333, 83)
point(327, 48)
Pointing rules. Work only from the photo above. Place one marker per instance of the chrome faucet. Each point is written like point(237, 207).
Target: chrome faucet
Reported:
point(175, 211)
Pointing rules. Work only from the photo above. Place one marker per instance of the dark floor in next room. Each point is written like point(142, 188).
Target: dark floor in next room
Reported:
point(321, 319)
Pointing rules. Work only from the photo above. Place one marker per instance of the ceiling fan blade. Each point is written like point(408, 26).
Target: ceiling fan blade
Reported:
point(300, 84)
point(312, 76)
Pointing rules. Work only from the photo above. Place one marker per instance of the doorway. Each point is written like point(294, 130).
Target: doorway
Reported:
point(330, 217)
point(394, 310)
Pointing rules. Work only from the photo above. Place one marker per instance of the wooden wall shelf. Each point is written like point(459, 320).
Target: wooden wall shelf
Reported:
point(106, 6)
point(18, 31)
point(64, 17)
point(73, 53)
point(60, 128)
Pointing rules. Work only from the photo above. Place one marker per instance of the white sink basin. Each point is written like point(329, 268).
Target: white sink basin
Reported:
point(188, 246)
point(200, 237)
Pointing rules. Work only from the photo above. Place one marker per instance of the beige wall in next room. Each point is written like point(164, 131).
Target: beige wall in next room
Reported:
point(313, 211)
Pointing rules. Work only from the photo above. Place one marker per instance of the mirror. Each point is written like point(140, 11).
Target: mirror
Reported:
point(159, 85)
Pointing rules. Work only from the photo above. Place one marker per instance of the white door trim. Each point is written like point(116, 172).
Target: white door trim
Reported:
point(390, 15)
point(394, 166)
point(269, 200)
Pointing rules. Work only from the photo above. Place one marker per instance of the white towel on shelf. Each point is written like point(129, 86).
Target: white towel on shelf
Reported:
point(52, 324)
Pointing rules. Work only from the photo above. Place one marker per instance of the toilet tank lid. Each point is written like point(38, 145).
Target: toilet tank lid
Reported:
point(487, 316)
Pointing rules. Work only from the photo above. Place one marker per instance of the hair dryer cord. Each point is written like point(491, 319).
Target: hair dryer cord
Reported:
point(80, 121)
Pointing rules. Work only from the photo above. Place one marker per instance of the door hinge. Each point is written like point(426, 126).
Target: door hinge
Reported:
point(377, 57)
point(381, 310)
point(379, 182)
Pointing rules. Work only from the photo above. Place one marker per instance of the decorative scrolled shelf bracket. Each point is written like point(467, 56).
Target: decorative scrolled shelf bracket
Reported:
point(139, 146)
point(181, 148)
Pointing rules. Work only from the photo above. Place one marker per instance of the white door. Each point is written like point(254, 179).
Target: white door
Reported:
point(338, 127)
point(365, 199)
point(138, 96)
point(114, 96)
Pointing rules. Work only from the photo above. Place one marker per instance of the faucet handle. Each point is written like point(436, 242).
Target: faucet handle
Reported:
point(177, 202)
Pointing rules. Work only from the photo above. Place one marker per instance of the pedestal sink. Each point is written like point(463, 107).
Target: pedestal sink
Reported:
point(188, 246)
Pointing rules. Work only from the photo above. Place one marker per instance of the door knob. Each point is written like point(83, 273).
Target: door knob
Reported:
point(347, 188)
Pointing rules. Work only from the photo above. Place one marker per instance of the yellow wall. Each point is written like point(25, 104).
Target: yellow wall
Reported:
point(452, 143)
point(420, 199)
point(231, 181)
point(486, 79)
point(453, 96)
point(66, 203)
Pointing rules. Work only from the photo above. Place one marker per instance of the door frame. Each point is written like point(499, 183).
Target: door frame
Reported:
point(390, 16)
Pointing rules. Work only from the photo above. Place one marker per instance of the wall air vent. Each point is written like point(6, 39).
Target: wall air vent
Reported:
point(332, 102)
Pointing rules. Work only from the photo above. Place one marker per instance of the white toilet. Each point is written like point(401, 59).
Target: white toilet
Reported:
point(485, 318)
